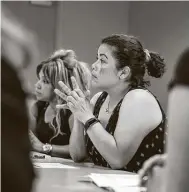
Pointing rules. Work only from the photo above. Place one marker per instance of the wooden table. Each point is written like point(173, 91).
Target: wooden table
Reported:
point(68, 180)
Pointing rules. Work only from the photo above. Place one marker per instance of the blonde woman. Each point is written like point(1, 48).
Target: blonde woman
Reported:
point(52, 131)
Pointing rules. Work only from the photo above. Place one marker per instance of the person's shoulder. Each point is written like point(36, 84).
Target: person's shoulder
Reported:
point(140, 104)
point(138, 95)
point(95, 98)
point(140, 98)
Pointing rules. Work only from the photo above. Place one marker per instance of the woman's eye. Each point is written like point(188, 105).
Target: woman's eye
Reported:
point(102, 61)
point(46, 82)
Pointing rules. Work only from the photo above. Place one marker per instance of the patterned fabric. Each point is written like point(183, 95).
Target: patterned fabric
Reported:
point(152, 144)
point(45, 132)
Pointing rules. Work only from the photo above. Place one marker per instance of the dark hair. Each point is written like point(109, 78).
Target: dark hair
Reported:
point(39, 67)
point(129, 52)
point(180, 74)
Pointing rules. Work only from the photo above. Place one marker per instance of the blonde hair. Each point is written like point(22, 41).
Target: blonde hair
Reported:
point(61, 66)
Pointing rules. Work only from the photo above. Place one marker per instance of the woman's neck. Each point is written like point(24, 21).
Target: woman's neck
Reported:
point(52, 104)
point(116, 94)
point(50, 112)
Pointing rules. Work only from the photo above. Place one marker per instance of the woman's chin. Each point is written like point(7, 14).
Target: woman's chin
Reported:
point(39, 98)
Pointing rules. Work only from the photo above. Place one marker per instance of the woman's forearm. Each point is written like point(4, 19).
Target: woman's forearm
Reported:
point(106, 145)
point(60, 151)
point(57, 150)
point(77, 142)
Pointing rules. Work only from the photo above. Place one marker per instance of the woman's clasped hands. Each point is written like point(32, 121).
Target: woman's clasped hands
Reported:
point(76, 101)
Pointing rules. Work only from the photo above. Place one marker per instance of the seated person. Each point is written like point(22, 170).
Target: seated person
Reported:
point(52, 131)
point(175, 161)
point(17, 43)
point(124, 123)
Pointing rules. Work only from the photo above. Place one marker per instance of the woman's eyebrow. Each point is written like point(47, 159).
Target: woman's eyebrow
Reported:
point(102, 54)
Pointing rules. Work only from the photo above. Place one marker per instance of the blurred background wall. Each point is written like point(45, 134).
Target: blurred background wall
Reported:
point(161, 26)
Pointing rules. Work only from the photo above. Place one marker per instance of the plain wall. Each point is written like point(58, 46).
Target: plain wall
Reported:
point(84, 24)
point(71, 25)
point(41, 20)
point(162, 27)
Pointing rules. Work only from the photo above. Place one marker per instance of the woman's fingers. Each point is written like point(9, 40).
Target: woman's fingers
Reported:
point(157, 160)
point(75, 95)
point(60, 94)
point(70, 105)
point(78, 90)
point(74, 83)
point(64, 88)
point(87, 94)
point(63, 106)
point(83, 95)
point(72, 100)
point(147, 166)
point(80, 93)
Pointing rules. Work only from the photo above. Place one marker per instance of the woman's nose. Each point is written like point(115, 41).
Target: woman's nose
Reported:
point(37, 85)
point(95, 66)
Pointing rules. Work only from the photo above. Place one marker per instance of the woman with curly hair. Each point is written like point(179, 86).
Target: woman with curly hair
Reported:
point(124, 124)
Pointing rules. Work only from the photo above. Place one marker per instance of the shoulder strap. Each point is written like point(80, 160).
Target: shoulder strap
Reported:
point(99, 103)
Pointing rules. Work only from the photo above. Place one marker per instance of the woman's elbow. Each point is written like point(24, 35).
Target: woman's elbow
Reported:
point(77, 157)
point(117, 164)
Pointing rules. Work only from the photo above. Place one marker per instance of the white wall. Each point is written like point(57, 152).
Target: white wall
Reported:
point(163, 27)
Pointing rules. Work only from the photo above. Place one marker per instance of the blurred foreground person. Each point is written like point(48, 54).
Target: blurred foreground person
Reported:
point(17, 52)
point(175, 162)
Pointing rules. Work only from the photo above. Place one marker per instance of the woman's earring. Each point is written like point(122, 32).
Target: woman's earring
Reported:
point(125, 73)
point(122, 76)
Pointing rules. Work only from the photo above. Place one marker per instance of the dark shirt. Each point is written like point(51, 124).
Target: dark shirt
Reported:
point(16, 169)
point(152, 144)
point(181, 72)
point(45, 131)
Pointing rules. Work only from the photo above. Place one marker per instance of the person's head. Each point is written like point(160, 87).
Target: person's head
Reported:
point(183, 60)
point(19, 50)
point(61, 66)
point(122, 59)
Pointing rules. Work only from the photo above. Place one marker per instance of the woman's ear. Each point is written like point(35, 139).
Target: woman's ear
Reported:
point(124, 73)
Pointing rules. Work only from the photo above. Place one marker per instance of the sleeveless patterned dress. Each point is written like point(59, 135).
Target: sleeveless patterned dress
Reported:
point(152, 144)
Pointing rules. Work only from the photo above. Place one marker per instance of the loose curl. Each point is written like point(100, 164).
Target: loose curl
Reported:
point(61, 66)
point(129, 52)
